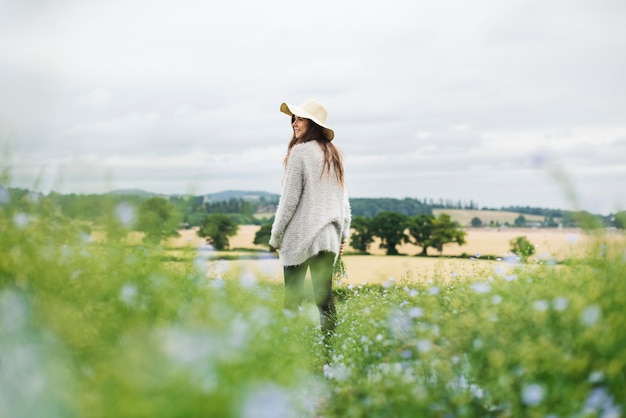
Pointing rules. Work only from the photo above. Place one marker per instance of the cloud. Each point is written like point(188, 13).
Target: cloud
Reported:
point(443, 99)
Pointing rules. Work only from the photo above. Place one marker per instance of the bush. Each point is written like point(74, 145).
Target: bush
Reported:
point(522, 247)
point(217, 228)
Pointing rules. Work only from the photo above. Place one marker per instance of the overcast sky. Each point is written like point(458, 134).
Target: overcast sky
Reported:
point(482, 100)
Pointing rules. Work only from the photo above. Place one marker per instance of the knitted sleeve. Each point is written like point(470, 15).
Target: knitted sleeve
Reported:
point(290, 197)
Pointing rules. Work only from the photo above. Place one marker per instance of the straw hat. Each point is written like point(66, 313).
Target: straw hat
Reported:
point(311, 109)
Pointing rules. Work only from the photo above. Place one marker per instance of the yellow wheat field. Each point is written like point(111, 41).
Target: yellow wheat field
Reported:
point(464, 216)
point(377, 268)
point(558, 243)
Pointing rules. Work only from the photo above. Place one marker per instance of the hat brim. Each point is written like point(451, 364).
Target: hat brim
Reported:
point(292, 110)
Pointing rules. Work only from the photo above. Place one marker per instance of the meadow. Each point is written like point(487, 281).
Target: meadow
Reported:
point(97, 328)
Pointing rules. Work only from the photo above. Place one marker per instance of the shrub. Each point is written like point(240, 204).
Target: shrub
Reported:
point(522, 247)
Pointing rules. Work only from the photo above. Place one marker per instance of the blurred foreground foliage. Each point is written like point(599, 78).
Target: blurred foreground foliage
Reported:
point(102, 329)
point(522, 341)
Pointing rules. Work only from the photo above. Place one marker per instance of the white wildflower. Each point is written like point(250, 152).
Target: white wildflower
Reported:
point(128, 294)
point(416, 312)
point(596, 377)
point(601, 403)
point(126, 214)
point(499, 270)
point(424, 346)
point(337, 372)
point(541, 305)
point(218, 283)
point(510, 278)
point(512, 259)
point(560, 303)
point(478, 343)
point(533, 394)
point(248, 279)
point(481, 287)
point(591, 315)
point(21, 219)
point(269, 402)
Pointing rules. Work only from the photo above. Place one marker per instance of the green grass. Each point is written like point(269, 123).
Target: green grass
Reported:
point(110, 330)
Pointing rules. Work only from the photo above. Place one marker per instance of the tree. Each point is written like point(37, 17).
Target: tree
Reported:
point(389, 227)
point(428, 231)
point(421, 229)
point(521, 247)
point(262, 236)
point(476, 222)
point(587, 220)
point(216, 228)
point(520, 221)
point(362, 236)
point(620, 220)
point(446, 231)
point(157, 218)
point(549, 222)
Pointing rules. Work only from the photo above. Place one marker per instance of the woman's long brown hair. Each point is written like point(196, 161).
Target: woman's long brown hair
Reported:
point(332, 155)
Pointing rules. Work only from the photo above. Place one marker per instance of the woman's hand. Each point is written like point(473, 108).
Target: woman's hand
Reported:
point(341, 248)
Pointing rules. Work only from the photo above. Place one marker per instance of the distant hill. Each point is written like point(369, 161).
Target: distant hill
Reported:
point(134, 192)
point(239, 194)
point(210, 197)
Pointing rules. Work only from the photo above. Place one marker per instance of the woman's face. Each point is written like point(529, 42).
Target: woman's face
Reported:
point(300, 126)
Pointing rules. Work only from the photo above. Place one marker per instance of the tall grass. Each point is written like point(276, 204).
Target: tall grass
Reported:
point(547, 341)
point(102, 329)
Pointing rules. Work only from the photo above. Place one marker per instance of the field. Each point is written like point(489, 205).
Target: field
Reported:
point(464, 216)
point(98, 328)
point(550, 244)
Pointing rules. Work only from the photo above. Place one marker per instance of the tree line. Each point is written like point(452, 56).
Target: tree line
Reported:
point(394, 229)
point(160, 217)
point(193, 209)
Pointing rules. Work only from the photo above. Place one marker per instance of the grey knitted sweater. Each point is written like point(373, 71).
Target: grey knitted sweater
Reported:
point(314, 212)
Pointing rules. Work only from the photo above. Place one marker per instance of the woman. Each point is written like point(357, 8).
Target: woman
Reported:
point(313, 217)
